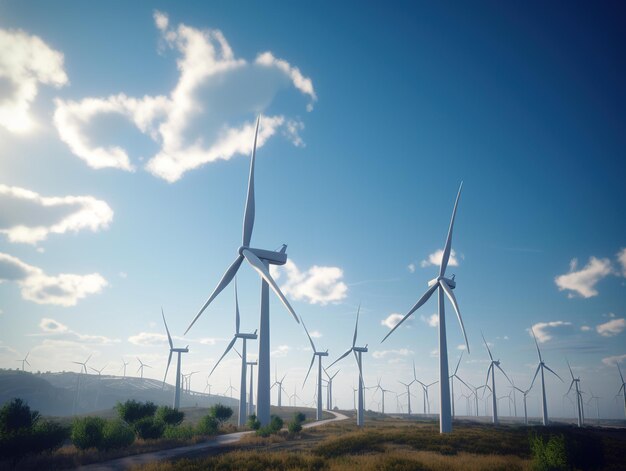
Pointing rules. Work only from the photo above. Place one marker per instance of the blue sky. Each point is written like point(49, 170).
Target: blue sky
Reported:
point(125, 133)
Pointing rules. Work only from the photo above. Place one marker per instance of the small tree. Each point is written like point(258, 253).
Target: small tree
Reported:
point(15, 415)
point(276, 423)
point(220, 413)
point(116, 434)
point(87, 432)
point(208, 425)
point(299, 417)
point(253, 422)
point(149, 428)
point(169, 415)
point(132, 411)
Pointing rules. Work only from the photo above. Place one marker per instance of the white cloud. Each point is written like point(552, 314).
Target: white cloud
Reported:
point(378, 354)
point(411, 267)
point(585, 328)
point(52, 327)
point(435, 259)
point(434, 353)
point(26, 61)
point(432, 320)
point(391, 320)
point(63, 289)
point(611, 328)
point(461, 347)
point(214, 90)
point(614, 360)
point(315, 334)
point(584, 280)
point(542, 329)
point(317, 285)
point(621, 258)
point(28, 217)
point(281, 351)
point(146, 339)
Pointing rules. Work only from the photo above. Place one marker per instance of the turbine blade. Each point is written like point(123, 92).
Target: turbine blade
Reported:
point(356, 357)
point(417, 305)
point(310, 366)
point(550, 370)
point(536, 344)
point(457, 365)
point(534, 377)
point(226, 279)
point(466, 385)
point(505, 375)
point(169, 337)
point(490, 355)
point(236, 309)
point(230, 345)
point(260, 267)
point(488, 371)
point(570, 387)
point(356, 326)
point(248, 217)
point(448, 246)
point(340, 358)
point(414, 375)
point(307, 334)
point(570, 370)
point(168, 367)
point(452, 299)
point(620, 372)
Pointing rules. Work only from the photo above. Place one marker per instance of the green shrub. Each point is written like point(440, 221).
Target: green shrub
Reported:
point(264, 431)
point(87, 432)
point(149, 428)
point(253, 422)
point(299, 417)
point(294, 427)
point(132, 411)
point(208, 425)
point(550, 455)
point(116, 434)
point(276, 423)
point(15, 415)
point(220, 413)
point(179, 432)
point(48, 436)
point(169, 415)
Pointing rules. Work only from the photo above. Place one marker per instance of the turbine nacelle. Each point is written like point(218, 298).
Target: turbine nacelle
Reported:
point(273, 258)
point(449, 281)
point(247, 336)
point(360, 349)
point(180, 350)
point(321, 354)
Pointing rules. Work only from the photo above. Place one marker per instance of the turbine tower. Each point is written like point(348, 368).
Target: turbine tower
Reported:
point(444, 286)
point(622, 388)
point(541, 366)
point(358, 352)
point(329, 398)
point(525, 394)
point(244, 361)
point(24, 361)
point(173, 350)
point(492, 370)
point(579, 397)
point(142, 365)
point(319, 355)
point(260, 260)
point(251, 364)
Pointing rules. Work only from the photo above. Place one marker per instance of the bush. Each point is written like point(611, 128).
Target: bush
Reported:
point(87, 432)
point(132, 411)
point(48, 436)
point(220, 413)
point(264, 431)
point(276, 423)
point(208, 425)
point(116, 434)
point(179, 432)
point(253, 422)
point(294, 427)
point(149, 428)
point(169, 415)
point(550, 455)
point(15, 415)
point(299, 417)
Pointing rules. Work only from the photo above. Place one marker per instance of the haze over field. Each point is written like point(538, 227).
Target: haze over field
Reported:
point(125, 135)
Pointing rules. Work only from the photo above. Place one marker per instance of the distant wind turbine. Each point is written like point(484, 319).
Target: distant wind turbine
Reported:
point(24, 361)
point(125, 365)
point(378, 387)
point(579, 397)
point(444, 286)
point(492, 370)
point(280, 387)
point(100, 370)
point(408, 391)
point(178, 351)
point(329, 398)
point(142, 365)
point(540, 367)
point(319, 355)
point(230, 389)
point(525, 394)
point(593, 396)
point(622, 388)
point(452, 376)
point(260, 260)
point(83, 364)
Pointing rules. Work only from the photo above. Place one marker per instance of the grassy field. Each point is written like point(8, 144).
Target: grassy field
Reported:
point(392, 444)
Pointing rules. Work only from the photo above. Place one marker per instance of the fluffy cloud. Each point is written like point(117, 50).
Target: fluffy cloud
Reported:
point(542, 329)
point(35, 285)
point(25, 63)
point(621, 258)
point(411, 267)
point(281, 351)
point(432, 320)
point(146, 339)
point(378, 354)
point(585, 328)
point(317, 285)
point(315, 334)
point(435, 259)
point(214, 90)
point(28, 217)
point(611, 328)
point(584, 280)
point(614, 360)
point(391, 320)
point(51, 327)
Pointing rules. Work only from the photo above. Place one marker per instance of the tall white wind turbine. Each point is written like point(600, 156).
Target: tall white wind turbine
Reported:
point(260, 260)
point(319, 355)
point(142, 365)
point(492, 369)
point(125, 365)
point(408, 393)
point(173, 350)
point(280, 387)
point(579, 396)
point(244, 360)
point(329, 397)
point(444, 286)
point(358, 352)
point(622, 388)
point(525, 394)
point(540, 367)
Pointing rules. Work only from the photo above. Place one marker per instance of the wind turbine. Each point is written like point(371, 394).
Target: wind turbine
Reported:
point(378, 387)
point(593, 396)
point(294, 396)
point(230, 388)
point(329, 401)
point(579, 398)
point(492, 370)
point(244, 363)
point(622, 388)
point(541, 366)
point(358, 352)
point(100, 370)
point(142, 365)
point(260, 260)
point(83, 364)
point(208, 386)
point(408, 393)
point(125, 365)
point(525, 394)
point(452, 376)
point(445, 286)
point(173, 350)
point(280, 387)
point(24, 361)
point(319, 355)
point(251, 364)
